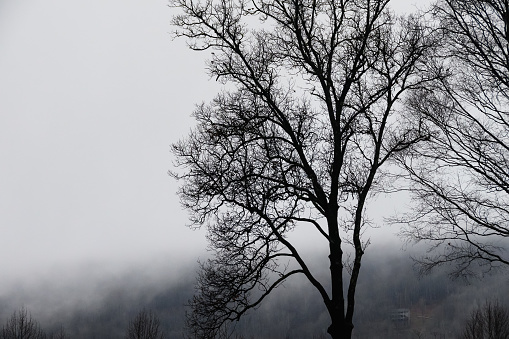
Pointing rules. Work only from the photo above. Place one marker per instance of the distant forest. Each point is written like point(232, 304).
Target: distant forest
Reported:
point(438, 306)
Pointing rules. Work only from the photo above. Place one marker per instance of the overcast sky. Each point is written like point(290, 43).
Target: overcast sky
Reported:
point(92, 93)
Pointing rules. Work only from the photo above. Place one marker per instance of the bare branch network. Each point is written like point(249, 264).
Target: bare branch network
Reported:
point(489, 321)
point(326, 104)
point(461, 178)
point(301, 141)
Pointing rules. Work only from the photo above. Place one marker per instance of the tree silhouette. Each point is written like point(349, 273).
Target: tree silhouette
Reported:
point(21, 325)
point(488, 322)
point(461, 180)
point(144, 326)
point(302, 138)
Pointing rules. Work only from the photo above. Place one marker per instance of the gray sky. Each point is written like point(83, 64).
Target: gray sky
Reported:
point(92, 93)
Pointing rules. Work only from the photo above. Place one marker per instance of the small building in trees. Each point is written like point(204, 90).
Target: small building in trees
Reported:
point(400, 316)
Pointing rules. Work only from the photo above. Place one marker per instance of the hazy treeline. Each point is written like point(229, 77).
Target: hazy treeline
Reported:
point(438, 306)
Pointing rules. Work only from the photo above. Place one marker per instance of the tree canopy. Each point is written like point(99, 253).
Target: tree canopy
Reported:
point(461, 178)
point(301, 136)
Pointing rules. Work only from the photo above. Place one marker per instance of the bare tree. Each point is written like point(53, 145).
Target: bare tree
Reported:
point(488, 322)
point(301, 139)
point(145, 325)
point(461, 180)
point(21, 325)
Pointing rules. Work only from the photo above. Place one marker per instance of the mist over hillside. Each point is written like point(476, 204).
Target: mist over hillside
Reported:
point(98, 301)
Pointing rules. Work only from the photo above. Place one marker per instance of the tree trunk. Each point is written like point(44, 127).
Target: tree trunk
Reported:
point(339, 329)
